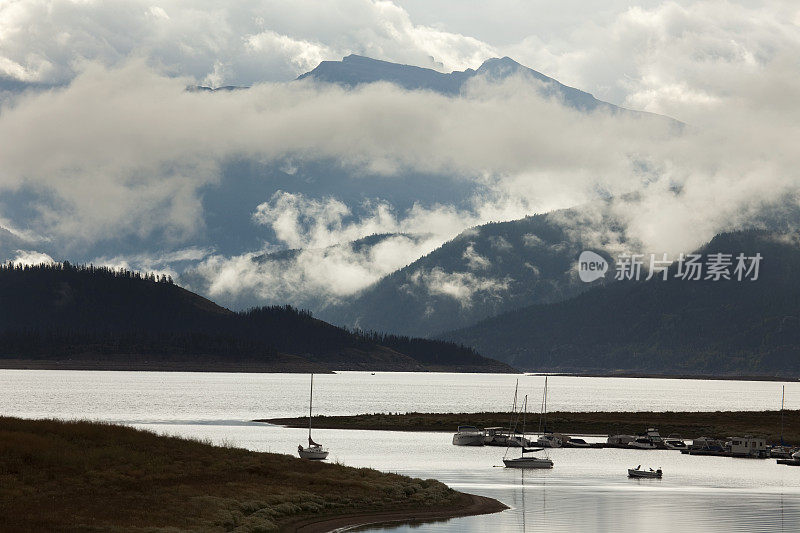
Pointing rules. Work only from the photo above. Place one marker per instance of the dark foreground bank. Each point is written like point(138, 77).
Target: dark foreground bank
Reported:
point(78, 476)
point(720, 424)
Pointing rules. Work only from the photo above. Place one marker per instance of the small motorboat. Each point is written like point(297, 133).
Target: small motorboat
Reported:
point(643, 443)
point(550, 440)
point(468, 436)
point(576, 443)
point(675, 442)
point(650, 473)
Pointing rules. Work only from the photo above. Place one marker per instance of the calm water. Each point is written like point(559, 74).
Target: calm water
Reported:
point(215, 397)
point(586, 491)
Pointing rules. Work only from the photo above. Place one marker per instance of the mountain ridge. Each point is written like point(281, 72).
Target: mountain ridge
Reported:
point(674, 326)
point(96, 315)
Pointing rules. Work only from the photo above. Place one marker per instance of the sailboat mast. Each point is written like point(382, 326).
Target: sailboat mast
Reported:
point(783, 398)
point(524, 412)
point(513, 409)
point(545, 403)
point(310, 402)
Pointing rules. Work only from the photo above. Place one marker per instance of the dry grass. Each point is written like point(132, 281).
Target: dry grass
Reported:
point(690, 425)
point(81, 476)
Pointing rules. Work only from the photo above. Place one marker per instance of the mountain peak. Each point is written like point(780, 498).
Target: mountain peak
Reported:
point(355, 70)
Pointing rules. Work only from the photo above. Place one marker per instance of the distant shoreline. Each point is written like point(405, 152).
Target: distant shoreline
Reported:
point(137, 365)
point(719, 424)
point(790, 379)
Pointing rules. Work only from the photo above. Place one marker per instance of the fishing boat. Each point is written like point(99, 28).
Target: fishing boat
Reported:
point(639, 473)
point(314, 450)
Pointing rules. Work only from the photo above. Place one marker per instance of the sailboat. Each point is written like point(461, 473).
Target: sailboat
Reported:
point(314, 450)
point(530, 461)
point(547, 439)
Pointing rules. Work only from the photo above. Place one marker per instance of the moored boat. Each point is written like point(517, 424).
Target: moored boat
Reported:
point(619, 441)
point(675, 442)
point(649, 441)
point(500, 436)
point(529, 462)
point(524, 461)
point(576, 443)
point(550, 440)
point(314, 450)
point(468, 436)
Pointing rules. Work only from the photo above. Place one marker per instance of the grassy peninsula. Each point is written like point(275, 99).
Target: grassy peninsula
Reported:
point(719, 424)
point(82, 476)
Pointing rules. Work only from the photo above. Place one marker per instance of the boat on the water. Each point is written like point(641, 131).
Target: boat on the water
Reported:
point(524, 461)
point(639, 473)
point(572, 442)
point(619, 441)
point(529, 462)
point(500, 436)
point(314, 450)
point(675, 442)
point(468, 436)
point(649, 441)
point(550, 440)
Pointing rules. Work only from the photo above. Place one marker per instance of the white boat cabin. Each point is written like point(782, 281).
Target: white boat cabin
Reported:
point(748, 446)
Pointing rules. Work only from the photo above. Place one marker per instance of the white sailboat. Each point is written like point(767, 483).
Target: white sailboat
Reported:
point(528, 461)
point(314, 450)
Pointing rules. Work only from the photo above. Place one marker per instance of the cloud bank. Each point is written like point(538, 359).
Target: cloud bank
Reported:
point(119, 150)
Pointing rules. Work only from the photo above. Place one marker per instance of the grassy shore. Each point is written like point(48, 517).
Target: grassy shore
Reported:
point(718, 424)
point(82, 476)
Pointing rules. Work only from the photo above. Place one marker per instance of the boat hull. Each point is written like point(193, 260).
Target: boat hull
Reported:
point(468, 439)
point(313, 454)
point(528, 462)
point(644, 474)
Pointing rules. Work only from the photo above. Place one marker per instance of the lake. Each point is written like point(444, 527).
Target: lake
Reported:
point(587, 490)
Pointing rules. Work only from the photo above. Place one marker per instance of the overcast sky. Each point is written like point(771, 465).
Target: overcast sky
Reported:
point(119, 149)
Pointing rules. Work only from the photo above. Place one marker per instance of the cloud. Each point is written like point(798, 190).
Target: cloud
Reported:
point(312, 277)
point(122, 151)
point(31, 257)
point(475, 261)
point(238, 43)
point(460, 286)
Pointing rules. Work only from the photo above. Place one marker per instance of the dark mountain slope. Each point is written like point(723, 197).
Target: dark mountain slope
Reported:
point(63, 312)
point(674, 326)
point(484, 271)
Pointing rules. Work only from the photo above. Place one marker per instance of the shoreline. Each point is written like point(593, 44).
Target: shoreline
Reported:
point(715, 424)
point(646, 375)
point(62, 475)
point(476, 505)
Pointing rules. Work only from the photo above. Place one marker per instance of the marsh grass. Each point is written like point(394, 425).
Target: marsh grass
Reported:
point(82, 476)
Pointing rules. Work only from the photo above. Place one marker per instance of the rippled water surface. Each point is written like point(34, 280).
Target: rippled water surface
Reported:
point(167, 396)
point(586, 491)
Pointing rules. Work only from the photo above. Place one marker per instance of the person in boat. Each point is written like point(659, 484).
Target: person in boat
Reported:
point(300, 448)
